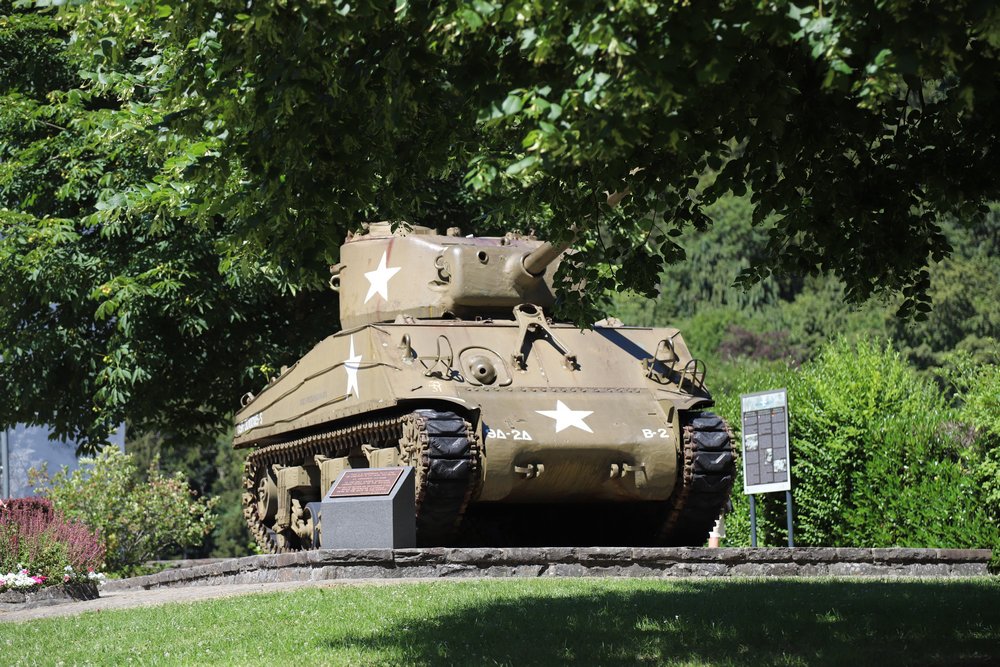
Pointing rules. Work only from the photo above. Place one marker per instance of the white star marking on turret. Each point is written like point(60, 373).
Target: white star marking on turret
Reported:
point(565, 417)
point(351, 365)
point(379, 279)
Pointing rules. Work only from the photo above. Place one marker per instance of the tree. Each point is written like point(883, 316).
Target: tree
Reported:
point(965, 289)
point(854, 124)
point(212, 469)
point(186, 169)
point(133, 318)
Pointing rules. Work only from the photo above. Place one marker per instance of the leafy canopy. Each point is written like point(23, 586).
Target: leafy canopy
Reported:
point(852, 125)
point(106, 317)
point(174, 176)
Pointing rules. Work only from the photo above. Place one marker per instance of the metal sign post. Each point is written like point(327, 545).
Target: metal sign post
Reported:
point(788, 506)
point(766, 454)
point(4, 466)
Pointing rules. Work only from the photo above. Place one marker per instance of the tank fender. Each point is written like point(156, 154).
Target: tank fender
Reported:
point(422, 402)
point(472, 410)
point(683, 401)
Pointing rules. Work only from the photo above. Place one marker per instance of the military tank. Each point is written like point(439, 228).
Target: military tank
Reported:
point(521, 430)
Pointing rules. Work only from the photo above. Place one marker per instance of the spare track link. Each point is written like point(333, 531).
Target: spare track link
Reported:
point(708, 472)
point(445, 457)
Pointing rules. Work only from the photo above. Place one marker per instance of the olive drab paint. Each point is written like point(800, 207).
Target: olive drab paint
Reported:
point(457, 328)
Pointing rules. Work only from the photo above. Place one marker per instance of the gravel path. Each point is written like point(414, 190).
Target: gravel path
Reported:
point(129, 599)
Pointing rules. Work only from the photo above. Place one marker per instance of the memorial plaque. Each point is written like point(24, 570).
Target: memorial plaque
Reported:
point(370, 508)
point(766, 455)
point(361, 482)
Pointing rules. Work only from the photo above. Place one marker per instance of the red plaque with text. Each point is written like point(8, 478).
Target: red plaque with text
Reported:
point(363, 482)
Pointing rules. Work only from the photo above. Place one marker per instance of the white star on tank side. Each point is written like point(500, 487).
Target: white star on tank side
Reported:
point(565, 417)
point(379, 279)
point(351, 365)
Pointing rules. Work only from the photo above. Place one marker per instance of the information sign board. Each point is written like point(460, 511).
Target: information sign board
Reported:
point(766, 456)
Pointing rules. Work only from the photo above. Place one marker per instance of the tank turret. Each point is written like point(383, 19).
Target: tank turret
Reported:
point(412, 271)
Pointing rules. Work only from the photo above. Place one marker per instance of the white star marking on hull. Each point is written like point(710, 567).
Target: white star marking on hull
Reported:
point(566, 417)
point(379, 279)
point(351, 365)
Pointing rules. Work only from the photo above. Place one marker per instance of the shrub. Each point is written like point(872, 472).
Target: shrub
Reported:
point(139, 518)
point(876, 458)
point(978, 389)
point(39, 546)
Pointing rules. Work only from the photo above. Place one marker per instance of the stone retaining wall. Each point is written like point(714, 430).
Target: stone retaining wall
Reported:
point(571, 562)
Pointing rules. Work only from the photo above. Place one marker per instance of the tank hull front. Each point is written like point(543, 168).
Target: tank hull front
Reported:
point(576, 444)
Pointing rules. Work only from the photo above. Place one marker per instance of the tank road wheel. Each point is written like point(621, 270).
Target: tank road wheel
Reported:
point(260, 505)
point(267, 498)
point(707, 473)
point(304, 524)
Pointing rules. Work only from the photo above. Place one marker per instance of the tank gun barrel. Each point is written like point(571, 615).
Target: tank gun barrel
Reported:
point(535, 261)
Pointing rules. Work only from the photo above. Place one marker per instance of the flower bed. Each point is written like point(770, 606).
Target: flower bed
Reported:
point(41, 550)
point(23, 580)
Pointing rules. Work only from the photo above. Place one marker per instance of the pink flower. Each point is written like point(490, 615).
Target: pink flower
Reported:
point(24, 571)
point(38, 579)
point(66, 578)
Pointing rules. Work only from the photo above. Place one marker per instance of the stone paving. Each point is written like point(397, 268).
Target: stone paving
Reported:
point(330, 567)
point(139, 597)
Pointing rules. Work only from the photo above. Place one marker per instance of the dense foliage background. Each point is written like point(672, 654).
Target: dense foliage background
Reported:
point(175, 177)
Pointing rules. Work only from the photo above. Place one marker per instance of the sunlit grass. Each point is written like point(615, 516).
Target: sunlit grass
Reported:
point(547, 622)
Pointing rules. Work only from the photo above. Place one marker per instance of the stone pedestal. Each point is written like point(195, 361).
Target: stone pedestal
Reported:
point(370, 508)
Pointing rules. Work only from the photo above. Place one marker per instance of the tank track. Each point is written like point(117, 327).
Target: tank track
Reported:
point(443, 448)
point(708, 472)
point(440, 444)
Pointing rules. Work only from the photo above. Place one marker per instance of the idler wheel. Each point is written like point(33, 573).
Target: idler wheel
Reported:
point(267, 499)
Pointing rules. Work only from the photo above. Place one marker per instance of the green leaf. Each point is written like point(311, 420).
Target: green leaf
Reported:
point(521, 165)
point(512, 104)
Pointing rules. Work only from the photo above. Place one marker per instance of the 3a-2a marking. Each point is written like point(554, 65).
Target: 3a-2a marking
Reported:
point(500, 434)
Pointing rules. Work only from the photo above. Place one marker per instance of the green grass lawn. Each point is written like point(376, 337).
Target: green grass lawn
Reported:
point(545, 622)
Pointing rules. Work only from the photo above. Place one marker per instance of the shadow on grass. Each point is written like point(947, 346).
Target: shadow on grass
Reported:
point(709, 622)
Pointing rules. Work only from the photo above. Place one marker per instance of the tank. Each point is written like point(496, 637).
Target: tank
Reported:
point(522, 430)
